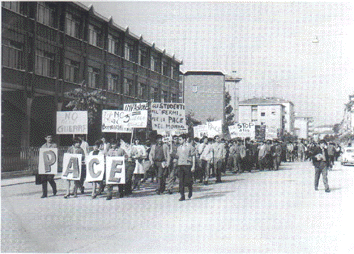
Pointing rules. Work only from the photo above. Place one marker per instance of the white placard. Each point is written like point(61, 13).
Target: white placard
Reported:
point(123, 121)
point(94, 168)
point(72, 122)
point(200, 131)
point(115, 170)
point(214, 128)
point(242, 130)
point(48, 161)
point(136, 106)
point(72, 166)
point(168, 116)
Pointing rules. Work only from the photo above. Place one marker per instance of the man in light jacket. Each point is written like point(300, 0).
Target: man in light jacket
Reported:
point(219, 157)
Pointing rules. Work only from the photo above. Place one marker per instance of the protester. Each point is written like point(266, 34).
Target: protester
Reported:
point(105, 146)
point(44, 179)
point(186, 165)
point(76, 149)
point(116, 150)
point(321, 162)
point(97, 151)
point(160, 158)
point(219, 157)
point(173, 164)
point(207, 159)
point(138, 153)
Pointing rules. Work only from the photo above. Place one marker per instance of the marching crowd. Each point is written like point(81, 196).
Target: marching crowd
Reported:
point(190, 161)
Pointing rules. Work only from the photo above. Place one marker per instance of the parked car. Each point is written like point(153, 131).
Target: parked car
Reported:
point(347, 156)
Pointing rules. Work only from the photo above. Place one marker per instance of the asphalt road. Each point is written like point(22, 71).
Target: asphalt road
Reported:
point(259, 212)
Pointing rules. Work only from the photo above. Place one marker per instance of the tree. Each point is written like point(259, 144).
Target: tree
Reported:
point(229, 116)
point(336, 128)
point(191, 122)
point(82, 99)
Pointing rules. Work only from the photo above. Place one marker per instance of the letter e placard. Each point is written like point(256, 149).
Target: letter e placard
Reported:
point(115, 170)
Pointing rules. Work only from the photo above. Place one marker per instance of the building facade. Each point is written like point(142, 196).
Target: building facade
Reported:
point(204, 94)
point(347, 125)
point(49, 48)
point(303, 127)
point(265, 111)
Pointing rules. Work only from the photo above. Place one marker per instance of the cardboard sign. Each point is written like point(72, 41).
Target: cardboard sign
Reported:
point(48, 161)
point(168, 116)
point(214, 128)
point(242, 130)
point(123, 121)
point(72, 122)
point(136, 106)
point(72, 166)
point(115, 170)
point(260, 131)
point(200, 131)
point(94, 168)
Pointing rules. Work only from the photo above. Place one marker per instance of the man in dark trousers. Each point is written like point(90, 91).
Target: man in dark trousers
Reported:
point(48, 178)
point(160, 158)
point(320, 160)
point(186, 165)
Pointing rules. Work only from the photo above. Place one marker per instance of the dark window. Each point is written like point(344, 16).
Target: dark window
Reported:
point(128, 87)
point(71, 71)
point(45, 14)
point(14, 6)
point(112, 82)
point(12, 53)
point(44, 63)
point(93, 77)
point(72, 26)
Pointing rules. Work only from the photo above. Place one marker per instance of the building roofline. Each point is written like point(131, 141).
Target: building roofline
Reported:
point(204, 73)
point(126, 30)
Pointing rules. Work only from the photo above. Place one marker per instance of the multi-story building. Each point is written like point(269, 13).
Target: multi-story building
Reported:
point(49, 48)
point(231, 86)
point(347, 125)
point(272, 112)
point(204, 94)
point(303, 127)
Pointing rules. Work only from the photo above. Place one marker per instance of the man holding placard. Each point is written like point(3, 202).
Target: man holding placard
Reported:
point(48, 165)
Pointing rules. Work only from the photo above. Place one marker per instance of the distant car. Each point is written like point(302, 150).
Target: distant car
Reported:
point(348, 156)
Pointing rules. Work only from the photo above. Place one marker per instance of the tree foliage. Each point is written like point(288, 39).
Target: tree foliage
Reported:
point(82, 99)
point(191, 122)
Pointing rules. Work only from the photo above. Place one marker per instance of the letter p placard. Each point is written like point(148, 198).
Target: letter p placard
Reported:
point(48, 161)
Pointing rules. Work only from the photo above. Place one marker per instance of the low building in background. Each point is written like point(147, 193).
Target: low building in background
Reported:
point(303, 127)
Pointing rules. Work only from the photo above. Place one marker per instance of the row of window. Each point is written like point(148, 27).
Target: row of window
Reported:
point(46, 13)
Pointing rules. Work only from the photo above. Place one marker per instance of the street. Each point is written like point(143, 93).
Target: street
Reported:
point(258, 212)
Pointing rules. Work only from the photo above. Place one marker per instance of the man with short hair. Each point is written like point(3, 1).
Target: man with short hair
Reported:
point(320, 160)
point(160, 158)
point(186, 165)
point(48, 178)
point(173, 164)
point(219, 157)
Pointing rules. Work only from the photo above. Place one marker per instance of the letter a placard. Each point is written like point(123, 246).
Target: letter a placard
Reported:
point(115, 170)
point(94, 168)
point(48, 161)
point(72, 166)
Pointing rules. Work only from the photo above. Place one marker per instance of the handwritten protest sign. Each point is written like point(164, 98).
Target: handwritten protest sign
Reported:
point(168, 116)
point(95, 168)
point(214, 128)
point(136, 106)
point(200, 131)
point(48, 161)
point(72, 166)
point(242, 130)
point(123, 121)
point(115, 170)
point(72, 122)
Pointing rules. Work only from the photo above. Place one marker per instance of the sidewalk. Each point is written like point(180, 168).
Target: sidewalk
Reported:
point(20, 180)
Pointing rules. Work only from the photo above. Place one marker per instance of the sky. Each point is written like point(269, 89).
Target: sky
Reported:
point(269, 45)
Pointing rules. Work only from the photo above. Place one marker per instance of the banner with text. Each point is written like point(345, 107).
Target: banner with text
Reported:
point(72, 166)
point(115, 170)
point(48, 161)
point(200, 131)
point(242, 130)
point(94, 168)
point(136, 106)
point(72, 122)
point(123, 121)
point(214, 128)
point(168, 116)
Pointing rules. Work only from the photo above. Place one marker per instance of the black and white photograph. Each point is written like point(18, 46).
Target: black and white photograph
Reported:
point(177, 126)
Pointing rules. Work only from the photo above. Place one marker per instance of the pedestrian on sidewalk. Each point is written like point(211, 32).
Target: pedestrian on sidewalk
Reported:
point(76, 149)
point(186, 165)
point(207, 158)
point(44, 179)
point(320, 161)
point(219, 157)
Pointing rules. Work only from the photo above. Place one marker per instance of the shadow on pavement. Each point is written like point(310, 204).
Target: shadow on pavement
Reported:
point(213, 195)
